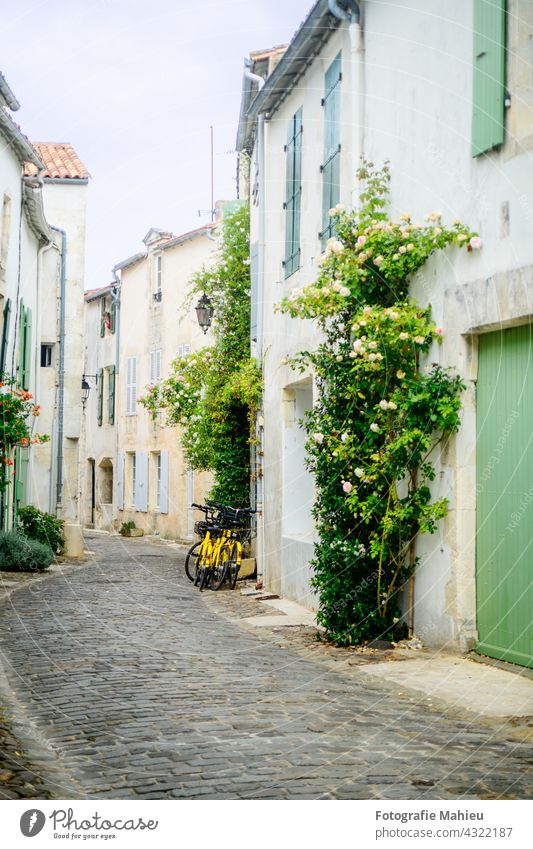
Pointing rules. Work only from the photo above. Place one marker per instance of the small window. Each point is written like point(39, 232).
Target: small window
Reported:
point(133, 492)
point(183, 350)
point(158, 277)
point(157, 465)
point(46, 355)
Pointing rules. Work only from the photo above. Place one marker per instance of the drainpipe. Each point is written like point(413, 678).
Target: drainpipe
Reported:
point(61, 376)
point(251, 76)
point(259, 464)
point(353, 15)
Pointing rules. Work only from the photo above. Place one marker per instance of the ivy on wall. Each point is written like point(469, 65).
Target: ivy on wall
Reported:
point(213, 394)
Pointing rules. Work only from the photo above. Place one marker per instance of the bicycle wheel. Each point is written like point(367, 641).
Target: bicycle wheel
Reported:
point(235, 565)
point(206, 574)
point(221, 569)
point(191, 561)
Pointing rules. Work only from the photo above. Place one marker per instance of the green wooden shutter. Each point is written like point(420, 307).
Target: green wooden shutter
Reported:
point(111, 396)
point(113, 321)
point(102, 316)
point(20, 366)
point(100, 395)
point(5, 335)
point(331, 166)
point(293, 195)
point(26, 371)
point(504, 515)
point(489, 75)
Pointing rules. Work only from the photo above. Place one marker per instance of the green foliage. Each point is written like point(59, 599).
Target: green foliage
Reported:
point(40, 526)
point(125, 527)
point(20, 554)
point(379, 416)
point(213, 394)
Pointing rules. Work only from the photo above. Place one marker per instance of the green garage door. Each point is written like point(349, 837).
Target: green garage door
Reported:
point(505, 495)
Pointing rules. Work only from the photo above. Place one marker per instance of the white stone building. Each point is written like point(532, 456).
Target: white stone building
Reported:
point(135, 468)
point(446, 94)
point(59, 329)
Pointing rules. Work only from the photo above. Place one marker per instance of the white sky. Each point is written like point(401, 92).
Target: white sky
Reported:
point(134, 85)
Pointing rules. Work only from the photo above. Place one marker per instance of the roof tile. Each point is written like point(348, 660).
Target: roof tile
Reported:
point(60, 161)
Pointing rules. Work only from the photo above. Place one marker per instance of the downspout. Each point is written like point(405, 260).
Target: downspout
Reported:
point(115, 294)
point(259, 451)
point(61, 376)
point(354, 16)
point(259, 464)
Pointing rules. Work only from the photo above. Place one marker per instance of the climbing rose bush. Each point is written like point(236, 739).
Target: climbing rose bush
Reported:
point(374, 431)
point(18, 411)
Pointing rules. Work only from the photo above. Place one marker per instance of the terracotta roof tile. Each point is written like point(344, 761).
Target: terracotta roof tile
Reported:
point(60, 161)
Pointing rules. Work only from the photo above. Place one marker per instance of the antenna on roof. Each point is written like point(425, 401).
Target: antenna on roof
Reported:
point(212, 211)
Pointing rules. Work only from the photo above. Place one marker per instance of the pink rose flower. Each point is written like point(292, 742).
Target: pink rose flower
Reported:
point(475, 243)
point(347, 487)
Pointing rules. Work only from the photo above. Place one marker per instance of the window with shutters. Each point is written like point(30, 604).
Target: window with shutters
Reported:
point(330, 167)
point(131, 386)
point(155, 365)
point(111, 395)
point(102, 316)
point(183, 350)
point(489, 76)
point(293, 194)
point(100, 387)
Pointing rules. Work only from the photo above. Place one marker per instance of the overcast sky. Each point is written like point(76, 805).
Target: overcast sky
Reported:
point(134, 85)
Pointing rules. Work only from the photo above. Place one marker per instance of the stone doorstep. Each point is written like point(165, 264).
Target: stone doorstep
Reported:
point(459, 682)
point(292, 614)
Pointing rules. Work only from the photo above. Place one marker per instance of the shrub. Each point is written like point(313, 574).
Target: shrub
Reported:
point(20, 554)
point(42, 527)
point(126, 526)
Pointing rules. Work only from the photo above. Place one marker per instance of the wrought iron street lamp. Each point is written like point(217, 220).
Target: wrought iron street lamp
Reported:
point(86, 386)
point(204, 311)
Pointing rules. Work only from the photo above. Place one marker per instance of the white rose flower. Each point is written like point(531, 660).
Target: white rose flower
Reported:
point(318, 437)
point(359, 473)
point(374, 427)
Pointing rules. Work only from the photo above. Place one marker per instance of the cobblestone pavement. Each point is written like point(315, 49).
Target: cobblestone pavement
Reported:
point(132, 684)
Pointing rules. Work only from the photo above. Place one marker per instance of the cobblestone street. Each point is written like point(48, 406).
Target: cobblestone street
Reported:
point(129, 683)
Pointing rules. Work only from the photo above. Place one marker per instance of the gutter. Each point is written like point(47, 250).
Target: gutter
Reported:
point(7, 95)
point(18, 142)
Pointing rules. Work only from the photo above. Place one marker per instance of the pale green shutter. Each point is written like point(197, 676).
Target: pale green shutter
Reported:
point(113, 321)
point(26, 371)
point(100, 396)
point(102, 316)
point(489, 75)
point(331, 166)
point(111, 396)
point(292, 203)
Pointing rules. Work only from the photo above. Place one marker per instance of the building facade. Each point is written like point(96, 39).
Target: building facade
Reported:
point(136, 470)
point(42, 245)
point(56, 481)
point(447, 98)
